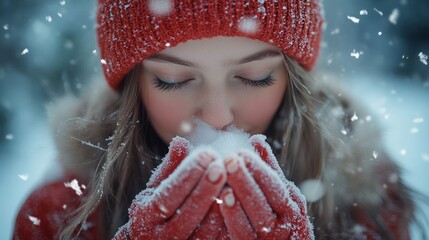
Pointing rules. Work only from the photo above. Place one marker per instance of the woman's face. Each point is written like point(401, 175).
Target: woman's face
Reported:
point(223, 81)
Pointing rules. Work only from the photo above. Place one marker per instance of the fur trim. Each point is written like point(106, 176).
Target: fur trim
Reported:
point(358, 174)
point(81, 128)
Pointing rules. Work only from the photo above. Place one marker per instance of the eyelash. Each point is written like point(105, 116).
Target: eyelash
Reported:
point(166, 86)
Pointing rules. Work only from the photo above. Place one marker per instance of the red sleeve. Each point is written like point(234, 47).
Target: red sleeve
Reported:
point(46, 211)
point(394, 213)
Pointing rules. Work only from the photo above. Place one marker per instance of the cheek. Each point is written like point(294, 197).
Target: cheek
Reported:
point(256, 112)
point(166, 113)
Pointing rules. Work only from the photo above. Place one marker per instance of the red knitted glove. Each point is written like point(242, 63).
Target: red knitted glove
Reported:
point(178, 196)
point(260, 202)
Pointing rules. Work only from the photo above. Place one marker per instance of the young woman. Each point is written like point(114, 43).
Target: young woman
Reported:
point(227, 63)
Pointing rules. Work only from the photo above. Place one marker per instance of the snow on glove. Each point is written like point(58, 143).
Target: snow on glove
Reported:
point(178, 195)
point(261, 203)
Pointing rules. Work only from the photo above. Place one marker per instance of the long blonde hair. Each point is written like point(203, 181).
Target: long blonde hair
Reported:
point(135, 149)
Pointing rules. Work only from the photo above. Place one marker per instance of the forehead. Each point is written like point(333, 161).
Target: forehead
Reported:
point(218, 49)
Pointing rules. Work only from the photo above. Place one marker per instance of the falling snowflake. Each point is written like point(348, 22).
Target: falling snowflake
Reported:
point(25, 51)
point(24, 177)
point(60, 15)
point(403, 152)
point(63, 2)
point(423, 58)
point(9, 137)
point(418, 120)
point(160, 7)
point(35, 220)
point(248, 25)
point(5, 27)
point(353, 19)
point(354, 117)
point(335, 31)
point(414, 130)
point(393, 18)
point(103, 61)
point(379, 33)
point(375, 154)
point(378, 11)
point(356, 54)
point(363, 12)
point(74, 185)
point(312, 189)
point(186, 127)
point(48, 18)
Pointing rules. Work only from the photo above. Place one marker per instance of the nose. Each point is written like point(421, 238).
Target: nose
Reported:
point(216, 110)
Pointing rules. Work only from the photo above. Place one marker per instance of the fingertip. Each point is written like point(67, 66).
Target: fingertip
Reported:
point(215, 172)
point(232, 164)
point(205, 157)
point(229, 199)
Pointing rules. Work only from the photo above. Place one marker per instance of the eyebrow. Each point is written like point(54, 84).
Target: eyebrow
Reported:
point(266, 53)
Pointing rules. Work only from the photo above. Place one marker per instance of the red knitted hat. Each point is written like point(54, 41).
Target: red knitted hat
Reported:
point(132, 30)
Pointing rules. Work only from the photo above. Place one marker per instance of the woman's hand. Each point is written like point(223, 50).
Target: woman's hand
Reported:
point(178, 196)
point(259, 202)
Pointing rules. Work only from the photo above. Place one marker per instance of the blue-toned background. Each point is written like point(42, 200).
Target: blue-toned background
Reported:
point(49, 47)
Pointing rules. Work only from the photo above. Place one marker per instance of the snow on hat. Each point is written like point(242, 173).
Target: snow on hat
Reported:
point(131, 30)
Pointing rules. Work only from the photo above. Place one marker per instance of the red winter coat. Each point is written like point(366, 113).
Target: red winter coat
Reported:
point(47, 210)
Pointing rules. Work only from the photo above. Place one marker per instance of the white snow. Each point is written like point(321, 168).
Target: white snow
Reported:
point(423, 58)
point(393, 18)
point(312, 189)
point(353, 19)
point(248, 25)
point(34, 220)
point(24, 177)
point(225, 143)
point(25, 51)
point(354, 117)
point(74, 184)
point(363, 12)
point(378, 11)
point(356, 54)
point(160, 7)
point(9, 136)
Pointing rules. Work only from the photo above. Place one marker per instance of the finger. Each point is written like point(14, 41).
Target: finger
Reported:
point(278, 192)
point(174, 190)
point(197, 204)
point(249, 195)
point(212, 224)
point(265, 152)
point(235, 218)
point(177, 151)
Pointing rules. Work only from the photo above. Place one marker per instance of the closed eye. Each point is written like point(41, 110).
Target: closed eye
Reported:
point(168, 86)
point(265, 82)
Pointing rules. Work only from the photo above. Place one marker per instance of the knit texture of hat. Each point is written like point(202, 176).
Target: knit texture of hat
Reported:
point(129, 31)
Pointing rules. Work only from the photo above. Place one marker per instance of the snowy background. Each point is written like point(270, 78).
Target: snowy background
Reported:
point(378, 48)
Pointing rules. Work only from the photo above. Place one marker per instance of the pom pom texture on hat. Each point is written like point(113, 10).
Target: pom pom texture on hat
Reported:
point(131, 30)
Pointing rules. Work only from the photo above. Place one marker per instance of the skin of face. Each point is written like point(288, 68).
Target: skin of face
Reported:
point(223, 81)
